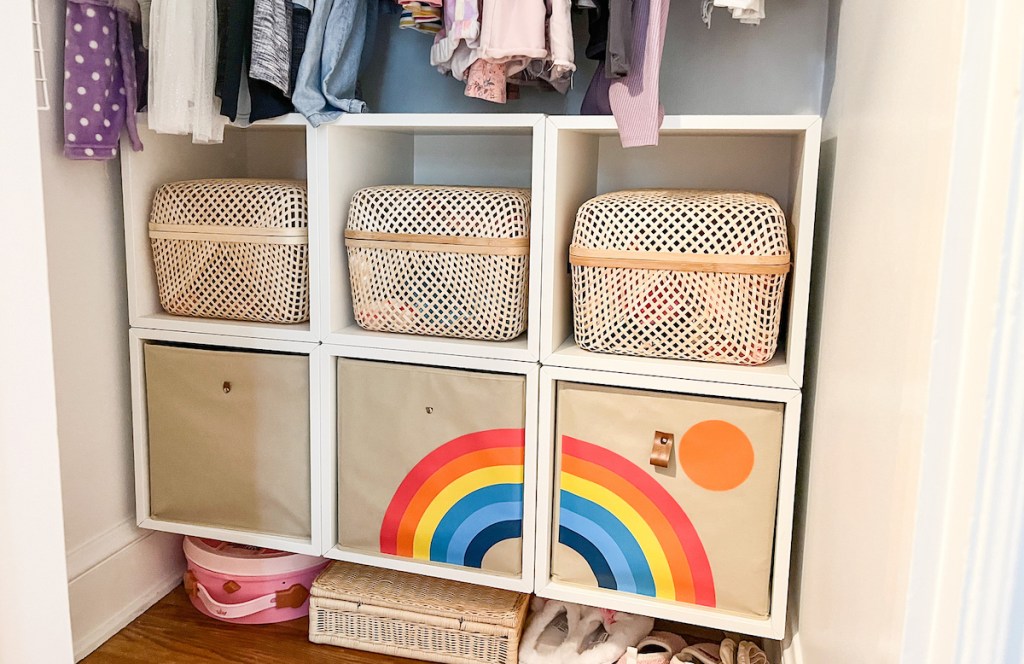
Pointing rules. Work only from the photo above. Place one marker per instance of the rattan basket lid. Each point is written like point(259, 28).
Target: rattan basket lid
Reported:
point(403, 591)
point(238, 202)
point(686, 221)
point(441, 210)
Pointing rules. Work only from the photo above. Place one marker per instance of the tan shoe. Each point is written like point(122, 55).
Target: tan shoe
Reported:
point(657, 648)
point(749, 653)
point(727, 652)
point(704, 653)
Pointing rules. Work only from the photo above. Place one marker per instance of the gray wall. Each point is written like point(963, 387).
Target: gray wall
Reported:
point(776, 67)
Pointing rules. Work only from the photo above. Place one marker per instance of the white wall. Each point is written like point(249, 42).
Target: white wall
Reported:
point(85, 245)
point(884, 194)
point(34, 623)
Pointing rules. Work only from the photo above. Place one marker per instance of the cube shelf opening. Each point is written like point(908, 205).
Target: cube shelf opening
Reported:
point(446, 368)
point(501, 150)
point(276, 150)
point(772, 155)
point(248, 468)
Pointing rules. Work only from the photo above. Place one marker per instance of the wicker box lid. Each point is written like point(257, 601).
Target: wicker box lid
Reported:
point(402, 591)
point(232, 203)
point(440, 211)
point(686, 221)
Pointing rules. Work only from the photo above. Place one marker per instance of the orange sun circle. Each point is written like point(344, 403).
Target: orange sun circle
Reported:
point(716, 455)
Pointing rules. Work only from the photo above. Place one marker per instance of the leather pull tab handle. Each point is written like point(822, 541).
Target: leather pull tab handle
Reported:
point(661, 451)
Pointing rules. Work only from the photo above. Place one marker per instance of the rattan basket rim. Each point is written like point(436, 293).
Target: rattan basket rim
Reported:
point(460, 622)
point(396, 597)
point(238, 234)
point(680, 262)
point(683, 193)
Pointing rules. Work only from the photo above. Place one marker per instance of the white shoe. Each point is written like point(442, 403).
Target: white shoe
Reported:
point(545, 633)
point(657, 648)
point(566, 633)
point(605, 636)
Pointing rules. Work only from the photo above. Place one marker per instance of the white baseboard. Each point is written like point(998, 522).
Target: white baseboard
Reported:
point(791, 650)
point(98, 548)
point(109, 595)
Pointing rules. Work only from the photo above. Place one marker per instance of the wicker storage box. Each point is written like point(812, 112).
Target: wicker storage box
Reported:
point(684, 274)
point(440, 261)
point(234, 249)
point(407, 615)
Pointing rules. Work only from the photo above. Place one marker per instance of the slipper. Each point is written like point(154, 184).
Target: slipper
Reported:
point(608, 635)
point(704, 653)
point(657, 648)
point(749, 653)
point(545, 633)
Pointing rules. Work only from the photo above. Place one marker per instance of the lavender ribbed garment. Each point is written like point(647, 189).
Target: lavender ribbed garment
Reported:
point(634, 99)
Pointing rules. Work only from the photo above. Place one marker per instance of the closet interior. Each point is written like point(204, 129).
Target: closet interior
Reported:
point(744, 107)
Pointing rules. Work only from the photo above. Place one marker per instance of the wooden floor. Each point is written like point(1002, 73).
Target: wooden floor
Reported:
point(173, 632)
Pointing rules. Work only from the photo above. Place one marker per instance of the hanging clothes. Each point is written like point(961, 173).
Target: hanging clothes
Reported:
point(144, 8)
point(488, 81)
point(457, 46)
point(635, 100)
point(100, 95)
point(272, 43)
point(183, 70)
point(561, 48)
point(596, 101)
point(610, 25)
point(302, 12)
point(243, 97)
point(421, 16)
point(749, 12)
point(513, 32)
point(326, 83)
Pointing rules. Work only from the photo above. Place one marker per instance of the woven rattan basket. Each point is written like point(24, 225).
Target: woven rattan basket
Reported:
point(440, 261)
point(684, 274)
point(234, 249)
point(408, 615)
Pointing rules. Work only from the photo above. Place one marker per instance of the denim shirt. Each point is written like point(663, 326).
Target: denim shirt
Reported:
point(338, 35)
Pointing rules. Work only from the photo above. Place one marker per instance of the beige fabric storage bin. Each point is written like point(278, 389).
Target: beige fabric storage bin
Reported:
point(682, 274)
point(440, 261)
point(690, 520)
point(235, 249)
point(430, 464)
point(408, 615)
point(229, 439)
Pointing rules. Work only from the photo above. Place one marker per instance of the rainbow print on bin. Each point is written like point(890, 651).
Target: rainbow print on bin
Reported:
point(634, 536)
point(459, 500)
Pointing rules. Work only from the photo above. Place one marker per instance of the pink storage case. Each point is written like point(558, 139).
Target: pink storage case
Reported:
point(248, 585)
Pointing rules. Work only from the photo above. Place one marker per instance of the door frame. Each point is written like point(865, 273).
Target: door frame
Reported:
point(966, 586)
point(31, 512)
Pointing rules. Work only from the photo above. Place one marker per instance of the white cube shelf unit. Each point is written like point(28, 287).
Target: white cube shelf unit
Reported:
point(277, 148)
point(479, 150)
point(564, 161)
point(776, 155)
point(329, 463)
point(772, 626)
point(138, 339)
